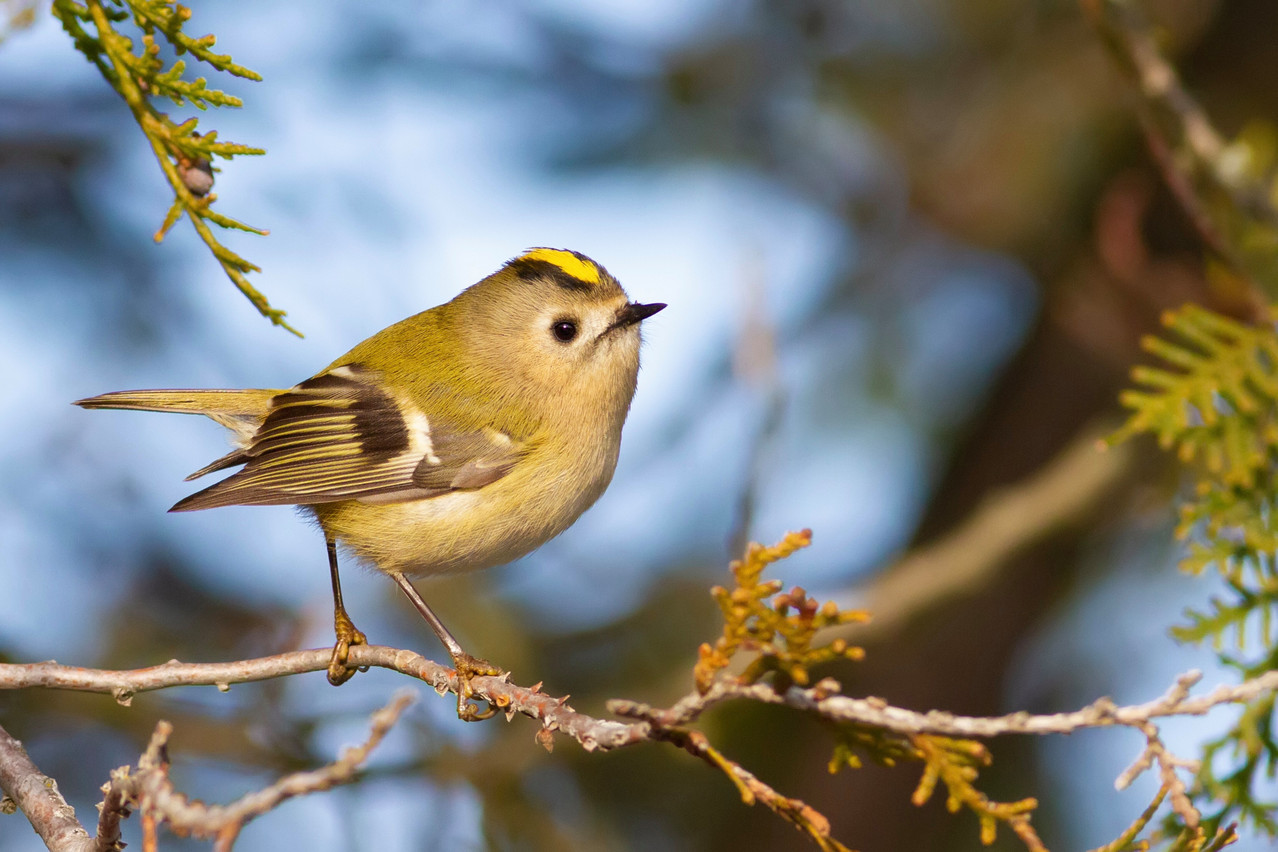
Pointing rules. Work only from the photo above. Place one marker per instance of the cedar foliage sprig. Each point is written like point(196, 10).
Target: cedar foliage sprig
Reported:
point(781, 630)
point(780, 627)
point(185, 154)
point(1216, 401)
point(1178, 838)
point(1215, 404)
point(956, 763)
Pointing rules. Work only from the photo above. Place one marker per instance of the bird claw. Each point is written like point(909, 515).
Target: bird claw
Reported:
point(467, 668)
point(347, 635)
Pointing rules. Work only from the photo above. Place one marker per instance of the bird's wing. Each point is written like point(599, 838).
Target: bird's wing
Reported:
point(340, 436)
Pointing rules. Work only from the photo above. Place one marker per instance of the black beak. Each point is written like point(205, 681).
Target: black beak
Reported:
point(635, 312)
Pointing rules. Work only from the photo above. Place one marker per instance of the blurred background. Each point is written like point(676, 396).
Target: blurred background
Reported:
point(908, 248)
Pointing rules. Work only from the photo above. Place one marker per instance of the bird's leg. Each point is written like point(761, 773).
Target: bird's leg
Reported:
point(467, 666)
point(347, 634)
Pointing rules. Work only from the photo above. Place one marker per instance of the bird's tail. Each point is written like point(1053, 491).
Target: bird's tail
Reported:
point(241, 411)
point(239, 404)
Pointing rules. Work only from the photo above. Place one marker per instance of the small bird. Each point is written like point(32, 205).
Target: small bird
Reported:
point(460, 438)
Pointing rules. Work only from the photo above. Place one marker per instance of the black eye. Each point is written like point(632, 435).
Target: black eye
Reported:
point(564, 330)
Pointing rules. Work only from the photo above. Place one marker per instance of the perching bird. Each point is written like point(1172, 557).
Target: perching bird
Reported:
point(460, 438)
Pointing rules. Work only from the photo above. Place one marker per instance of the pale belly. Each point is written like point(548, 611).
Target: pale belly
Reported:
point(466, 530)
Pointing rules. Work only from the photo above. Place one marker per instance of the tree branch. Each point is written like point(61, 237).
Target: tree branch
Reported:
point(37, 796)
point(553, 713)
point(823, 700)
point(149, 789)
point(30, 791)
point(1184, 143)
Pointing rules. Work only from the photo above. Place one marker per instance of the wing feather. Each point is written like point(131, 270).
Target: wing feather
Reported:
point(339, 436)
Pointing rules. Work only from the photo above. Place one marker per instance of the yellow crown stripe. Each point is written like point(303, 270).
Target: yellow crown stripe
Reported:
point(582, 270)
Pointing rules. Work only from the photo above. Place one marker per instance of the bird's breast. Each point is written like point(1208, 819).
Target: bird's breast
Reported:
point(480, 528)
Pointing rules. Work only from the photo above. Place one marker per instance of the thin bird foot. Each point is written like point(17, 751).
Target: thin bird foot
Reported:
point(347, 635)
point(469, 667)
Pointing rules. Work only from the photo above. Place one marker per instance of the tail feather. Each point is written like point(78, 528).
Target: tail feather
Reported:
point(241, 411)
point(228, 403)
point(235, 457)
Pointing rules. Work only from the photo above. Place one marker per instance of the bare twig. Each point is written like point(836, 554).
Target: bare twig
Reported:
point(1186, 196)
point(1188, 150)
point(823, 700)
point(1132, 44)
point(651, 724)
point(149, 789)
point(593, 733)
point(554, 713)
point(111, 811)
point(1155, 751)
point(37, 796)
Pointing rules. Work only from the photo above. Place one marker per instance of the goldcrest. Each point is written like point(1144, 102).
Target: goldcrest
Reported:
point(460, 438)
